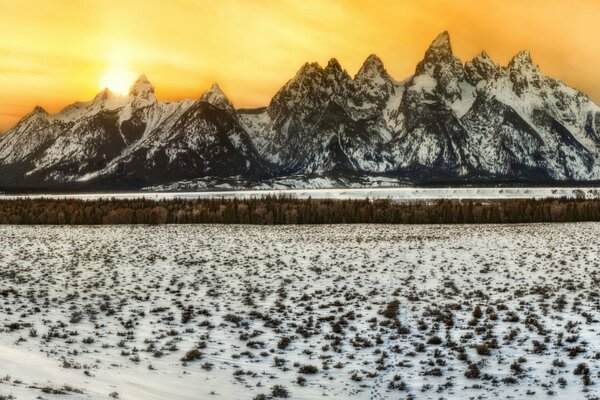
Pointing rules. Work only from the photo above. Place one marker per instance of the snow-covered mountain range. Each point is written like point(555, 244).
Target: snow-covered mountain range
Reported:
point(471, 122)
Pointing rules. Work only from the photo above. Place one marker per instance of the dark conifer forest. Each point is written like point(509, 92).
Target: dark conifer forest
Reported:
point(284, 210)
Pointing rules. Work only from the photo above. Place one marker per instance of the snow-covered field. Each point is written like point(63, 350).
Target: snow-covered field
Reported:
point(347, 312)
point(398, 194)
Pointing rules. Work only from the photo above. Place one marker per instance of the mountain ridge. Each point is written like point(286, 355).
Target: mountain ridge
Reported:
point(450, 121)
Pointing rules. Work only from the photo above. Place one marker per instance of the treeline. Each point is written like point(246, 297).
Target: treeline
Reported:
point(284, 210)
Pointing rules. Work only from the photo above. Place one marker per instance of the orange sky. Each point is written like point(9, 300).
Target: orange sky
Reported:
point(53, 53)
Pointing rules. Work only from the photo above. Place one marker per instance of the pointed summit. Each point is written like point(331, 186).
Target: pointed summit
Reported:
point(103, 96)
point(440, 64)
point(142, 92)
point(333, 65)
point(37, 118)
point(522, 58)
point(481, 68)
point(442, 41)
point(372, 86)
point(483, 56)
point(141, 86)
point(108, 99)
point(373, 78)
point(440, 48)
point(309, 69)
point(217, 98)
point(483, 60)
point(372, 67)
point(372, 61)
point(335, 73)
point(39, 110)
point(104, 100)
point(439, 52)
point(524, 75)
point(142, 78)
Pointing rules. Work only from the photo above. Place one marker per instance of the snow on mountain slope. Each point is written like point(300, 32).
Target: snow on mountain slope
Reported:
point(481, 69)
point(372, 88)
point(484, 120)
point(84, 137)
point(434, 97)
point(217, 98)
point(450, 120)
point(558, 114)
point(324, 120)
point(197, 139)
point(26, 136)
point(256, 122)
point(524, 87)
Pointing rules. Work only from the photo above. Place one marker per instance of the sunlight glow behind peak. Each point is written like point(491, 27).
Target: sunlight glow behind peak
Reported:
point(117, 80)
point(252, 48)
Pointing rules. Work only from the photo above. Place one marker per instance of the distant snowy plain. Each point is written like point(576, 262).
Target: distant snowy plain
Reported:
point(397, 194)
point(342, 311)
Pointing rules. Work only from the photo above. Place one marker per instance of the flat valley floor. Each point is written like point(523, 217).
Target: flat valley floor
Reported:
point(308, 312)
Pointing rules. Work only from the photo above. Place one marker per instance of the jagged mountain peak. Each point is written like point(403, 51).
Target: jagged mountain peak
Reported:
point(524, 74)
point(452, 120)
point(36, 115)
point(215, 88)
point(23, 132)
point(373, 86)
point(335, 73)
point(104, 100)
point(439, 71)
point(373, 61)
point(310, 87)
point(104, 95)
point(142, 92)
point(483, 60)
point(38, 110)
point(481, 68)
point(523, 63)
point(439, 53)
point(520, 59)
point(217, 98)
point(372, 67)
point(333, 65)
point(483, 57)
point(440, 49)
point(142, 79)
point(334, 68)
point(141, 85)
point(441, 42)
point(309, 68)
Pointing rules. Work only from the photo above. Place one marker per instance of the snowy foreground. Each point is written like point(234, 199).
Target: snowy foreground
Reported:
point(347, 312)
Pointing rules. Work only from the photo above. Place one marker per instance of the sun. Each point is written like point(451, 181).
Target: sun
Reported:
point(117, 80)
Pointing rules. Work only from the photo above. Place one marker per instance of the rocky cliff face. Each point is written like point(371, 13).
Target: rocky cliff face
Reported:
point(449, 121)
